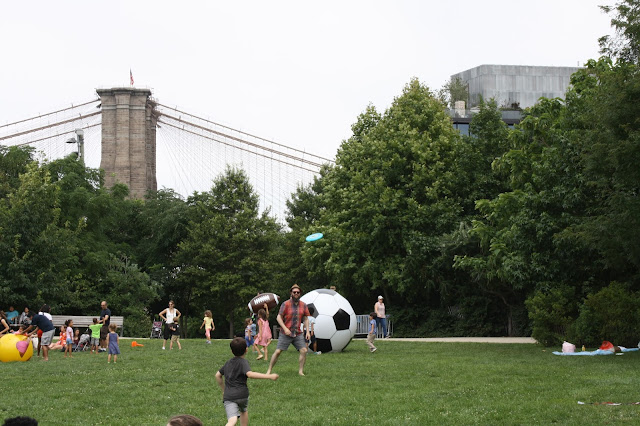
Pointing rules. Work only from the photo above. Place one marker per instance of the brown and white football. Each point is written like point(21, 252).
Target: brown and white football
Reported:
point(257, 303)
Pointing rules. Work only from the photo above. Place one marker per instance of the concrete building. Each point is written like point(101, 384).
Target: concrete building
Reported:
point(129, 139)
point(512, 85)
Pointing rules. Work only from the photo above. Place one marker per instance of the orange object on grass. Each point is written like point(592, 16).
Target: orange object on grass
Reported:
point(606, 346)
point(135, 344)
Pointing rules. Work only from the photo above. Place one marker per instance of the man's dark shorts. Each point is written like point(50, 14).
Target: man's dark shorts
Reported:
point(104, 331)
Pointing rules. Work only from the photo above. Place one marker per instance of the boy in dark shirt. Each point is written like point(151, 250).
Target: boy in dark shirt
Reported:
point(235, 393)
point(174, 328)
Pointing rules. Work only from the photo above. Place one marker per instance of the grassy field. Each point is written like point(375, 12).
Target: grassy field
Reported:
point(402, 383)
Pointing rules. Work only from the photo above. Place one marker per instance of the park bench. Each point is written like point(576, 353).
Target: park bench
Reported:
point(85, 321)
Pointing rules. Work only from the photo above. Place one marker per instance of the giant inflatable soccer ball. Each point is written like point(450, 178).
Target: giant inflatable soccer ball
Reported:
point(335, 319)
point(15, 348)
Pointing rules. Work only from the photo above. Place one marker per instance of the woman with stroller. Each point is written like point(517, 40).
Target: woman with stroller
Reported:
point(169, 316)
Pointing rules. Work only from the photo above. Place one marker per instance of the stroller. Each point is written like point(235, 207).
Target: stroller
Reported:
point(83, 343)
point(156, 330)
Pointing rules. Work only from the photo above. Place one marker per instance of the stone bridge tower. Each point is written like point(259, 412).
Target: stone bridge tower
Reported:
point(129, 139)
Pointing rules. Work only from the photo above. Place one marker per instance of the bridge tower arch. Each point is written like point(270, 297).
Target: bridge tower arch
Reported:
point(129, 122)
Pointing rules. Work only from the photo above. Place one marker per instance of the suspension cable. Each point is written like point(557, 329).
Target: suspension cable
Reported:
point(244, 141)
point(55, 136)
point(244, 133)
point(49, 113)
point(50, 125)
point(236, 147)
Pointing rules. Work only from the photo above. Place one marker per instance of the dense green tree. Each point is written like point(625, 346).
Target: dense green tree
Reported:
point(36, 254)
point(625, 45)
point(228, 243)
point(13, 162)
point(389, 198)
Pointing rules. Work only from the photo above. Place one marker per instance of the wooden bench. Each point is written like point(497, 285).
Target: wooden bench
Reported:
point(85, 321)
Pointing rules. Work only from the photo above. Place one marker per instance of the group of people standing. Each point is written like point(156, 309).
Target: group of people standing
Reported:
point(41, 325)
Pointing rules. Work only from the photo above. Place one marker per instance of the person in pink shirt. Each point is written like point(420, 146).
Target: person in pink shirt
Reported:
point(381, 319)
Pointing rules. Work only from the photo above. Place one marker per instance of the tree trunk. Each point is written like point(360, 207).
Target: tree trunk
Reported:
point(231, 324)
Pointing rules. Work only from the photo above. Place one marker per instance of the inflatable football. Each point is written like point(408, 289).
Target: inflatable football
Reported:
point(335, 319)
point(257, 303)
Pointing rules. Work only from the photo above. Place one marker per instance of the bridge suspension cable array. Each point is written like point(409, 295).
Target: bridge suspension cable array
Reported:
point(49, 132)
point(201, 149)
point(191, 151)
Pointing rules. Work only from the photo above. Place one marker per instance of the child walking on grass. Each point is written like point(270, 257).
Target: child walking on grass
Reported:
point(264, 333)
point(235, 393)
point(175, 335)
point(372, 331)
point(248, 337)
point(208, 325)
point(69, 338)
point(113, 341)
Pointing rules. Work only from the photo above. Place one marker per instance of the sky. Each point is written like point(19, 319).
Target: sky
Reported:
point(298, 73)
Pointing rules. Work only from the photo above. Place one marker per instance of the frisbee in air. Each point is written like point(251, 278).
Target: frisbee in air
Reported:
point(314, 237)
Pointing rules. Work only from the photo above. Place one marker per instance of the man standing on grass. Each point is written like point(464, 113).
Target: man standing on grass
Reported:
point(48, 330)
point(292, 313)
point(105, 319)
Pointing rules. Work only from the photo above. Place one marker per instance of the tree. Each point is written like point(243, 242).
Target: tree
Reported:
point(454, 90)
point(228, 243)
point(625, 46)
point(389, 199)
point(36, 254)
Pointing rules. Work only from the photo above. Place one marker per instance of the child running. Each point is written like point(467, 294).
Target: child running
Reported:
point(372, 331)
point(235, 393)
point(112, 343)
point(208, 325)
point(69, 338)
point(264, 333)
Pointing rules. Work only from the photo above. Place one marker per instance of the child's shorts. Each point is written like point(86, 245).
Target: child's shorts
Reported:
point(175, 338)
point(312, 340)
point(95, 341)
point(249, 341)
point(236, 407)
point(69, 341)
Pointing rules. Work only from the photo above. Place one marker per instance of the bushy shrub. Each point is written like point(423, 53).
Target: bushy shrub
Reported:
point(137, 323)
point(552, 312)
point(611, 314)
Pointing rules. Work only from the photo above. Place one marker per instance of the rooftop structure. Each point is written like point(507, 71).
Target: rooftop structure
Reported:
point(514, 86)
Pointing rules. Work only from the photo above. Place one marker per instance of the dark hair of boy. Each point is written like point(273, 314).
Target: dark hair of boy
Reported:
point(373, 315)
point(95, 320)
point(238, 346)
point(184, 420)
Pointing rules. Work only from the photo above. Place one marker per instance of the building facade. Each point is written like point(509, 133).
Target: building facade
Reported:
point(515, 85)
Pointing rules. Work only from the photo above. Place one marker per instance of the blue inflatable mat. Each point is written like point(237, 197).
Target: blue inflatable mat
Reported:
point(596, 352)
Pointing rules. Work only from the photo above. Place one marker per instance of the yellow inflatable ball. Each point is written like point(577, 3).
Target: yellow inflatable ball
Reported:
point(15, 348)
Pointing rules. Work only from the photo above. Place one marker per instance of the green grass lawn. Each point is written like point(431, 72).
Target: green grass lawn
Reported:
point(402, 383)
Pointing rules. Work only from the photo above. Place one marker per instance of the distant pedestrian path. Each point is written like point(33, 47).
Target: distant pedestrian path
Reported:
point(466, 339)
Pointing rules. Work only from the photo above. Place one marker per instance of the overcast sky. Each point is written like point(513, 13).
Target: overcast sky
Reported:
point(295, 72)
